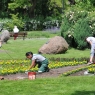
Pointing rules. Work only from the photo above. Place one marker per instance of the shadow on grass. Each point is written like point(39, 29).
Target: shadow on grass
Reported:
point(84, 93)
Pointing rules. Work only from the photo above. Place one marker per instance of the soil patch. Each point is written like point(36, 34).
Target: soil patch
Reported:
point(52, 73)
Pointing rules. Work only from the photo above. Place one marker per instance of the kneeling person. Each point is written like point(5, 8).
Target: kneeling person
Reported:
point(38, 59)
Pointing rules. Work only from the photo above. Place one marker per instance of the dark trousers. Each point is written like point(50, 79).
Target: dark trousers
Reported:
point(15, 36)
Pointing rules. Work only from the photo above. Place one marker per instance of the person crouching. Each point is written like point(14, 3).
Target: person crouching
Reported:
point(38, 59)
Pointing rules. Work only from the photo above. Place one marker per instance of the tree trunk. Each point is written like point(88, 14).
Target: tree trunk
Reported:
point(32, 8)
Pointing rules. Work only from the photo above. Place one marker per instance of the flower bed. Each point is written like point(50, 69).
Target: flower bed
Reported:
point(90, 68)
point(16, 66)
point(13, 66)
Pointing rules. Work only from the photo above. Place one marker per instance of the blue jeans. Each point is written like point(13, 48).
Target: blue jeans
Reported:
point(92, 53)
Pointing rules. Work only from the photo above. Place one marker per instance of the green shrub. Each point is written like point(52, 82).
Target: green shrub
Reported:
point(14, 21)
point(81, 31)
point(2, 22)
point(65, 26)
point(76, 26)
point(40, 23)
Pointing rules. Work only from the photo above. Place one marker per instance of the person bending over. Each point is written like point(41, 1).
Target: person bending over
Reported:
point(91, 41)
point(38, 59)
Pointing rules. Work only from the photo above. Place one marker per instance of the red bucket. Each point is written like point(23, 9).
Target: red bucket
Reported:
point(32, 75)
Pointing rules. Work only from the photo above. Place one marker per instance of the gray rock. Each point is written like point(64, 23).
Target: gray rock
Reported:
point(4, 36)
point(55, 45)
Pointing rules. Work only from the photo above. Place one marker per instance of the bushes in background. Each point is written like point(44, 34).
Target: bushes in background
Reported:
point(10, 23)
point(81, 31)
point(38, 23)
point(76, 26)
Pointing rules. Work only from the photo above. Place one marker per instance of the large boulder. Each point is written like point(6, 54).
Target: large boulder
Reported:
point(55, 45)
point(4, 36)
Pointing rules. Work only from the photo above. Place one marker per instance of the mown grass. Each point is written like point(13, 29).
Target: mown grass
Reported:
point(16, 49)
point(81, 85)
point(41, 34)
point(50, 86)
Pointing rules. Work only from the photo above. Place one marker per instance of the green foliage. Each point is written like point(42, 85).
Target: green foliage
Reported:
point(87, 5)
point(19, 4)
point(92, 2)
point(37, 23)
point(76, 26)
point(92, 21)
point(65, 26)
point(34, 24)
point(35, 8)
point(81, 31)
point(55, 8)
point(58, 2)
point(4, 12)
point(44, 8)
point(41, 23)
point(14, 21)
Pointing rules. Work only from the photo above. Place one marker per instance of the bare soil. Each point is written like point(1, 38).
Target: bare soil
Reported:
point(52, 73)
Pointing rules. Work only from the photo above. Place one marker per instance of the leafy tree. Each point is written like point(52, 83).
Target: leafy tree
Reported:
point(14, 21)
point(42, 8)
point(92, 2)
point(34, 8)
point(4, 12)
point(21, 6)
point(30, 7)
point(85, 5)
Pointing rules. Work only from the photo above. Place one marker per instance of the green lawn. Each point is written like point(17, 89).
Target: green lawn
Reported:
point(40, 34)
point(50, 86)
point(16, 49)
point(81, 85)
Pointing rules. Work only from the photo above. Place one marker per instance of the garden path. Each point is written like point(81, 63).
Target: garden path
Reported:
point(52, 73)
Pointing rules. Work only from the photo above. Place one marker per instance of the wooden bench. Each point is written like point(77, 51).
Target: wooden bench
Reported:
point(20, 34)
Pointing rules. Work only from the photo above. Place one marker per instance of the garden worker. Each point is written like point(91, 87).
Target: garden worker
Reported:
point(38, 59)
point(91, 41)
point(15, 30)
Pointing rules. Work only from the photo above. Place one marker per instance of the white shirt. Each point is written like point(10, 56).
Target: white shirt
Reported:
point(38, 57)
point(15, 30)
point(92, 39)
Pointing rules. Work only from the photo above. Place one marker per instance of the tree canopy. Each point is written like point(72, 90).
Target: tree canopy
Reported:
point(32, 8)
